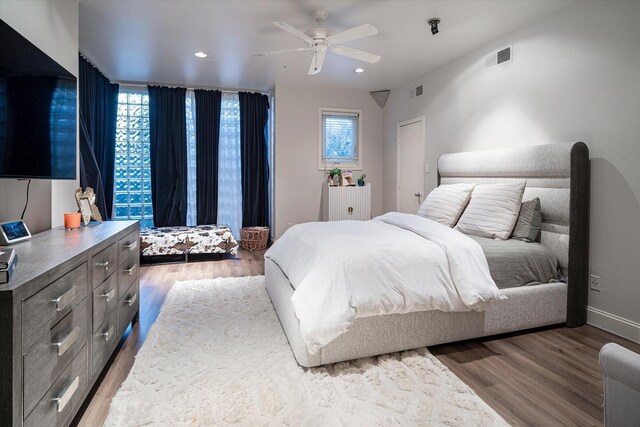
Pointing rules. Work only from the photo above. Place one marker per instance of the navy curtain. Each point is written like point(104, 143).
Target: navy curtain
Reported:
point(168, 133)
point(98, 101)
point(208, 105)
point(254, 113)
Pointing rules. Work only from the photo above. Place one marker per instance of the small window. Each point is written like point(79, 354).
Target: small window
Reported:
point(340, 139)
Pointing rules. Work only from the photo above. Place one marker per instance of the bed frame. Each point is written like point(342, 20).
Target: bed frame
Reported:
point(558, 174)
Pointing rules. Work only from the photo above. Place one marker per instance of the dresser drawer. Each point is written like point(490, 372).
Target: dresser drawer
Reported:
point(104, 341)
point(52, 353)
point(65, 393)
point(44, 309)
point(127, 273)
point(128, 306)
point(105, 300)
point(103, 264)
point(128, 246)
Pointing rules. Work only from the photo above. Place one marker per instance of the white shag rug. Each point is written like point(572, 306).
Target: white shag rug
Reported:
point(217, 355)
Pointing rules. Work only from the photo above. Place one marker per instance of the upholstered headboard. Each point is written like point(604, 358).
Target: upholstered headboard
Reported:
point(559, 175)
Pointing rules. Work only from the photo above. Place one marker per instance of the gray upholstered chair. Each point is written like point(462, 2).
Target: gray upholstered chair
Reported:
point(621, 368)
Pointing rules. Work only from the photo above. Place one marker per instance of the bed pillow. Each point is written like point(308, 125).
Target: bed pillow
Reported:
point(446, 203)
point(493, 210)
point(529, 221)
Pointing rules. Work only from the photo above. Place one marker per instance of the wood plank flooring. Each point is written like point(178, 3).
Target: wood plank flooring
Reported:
point(546, 377)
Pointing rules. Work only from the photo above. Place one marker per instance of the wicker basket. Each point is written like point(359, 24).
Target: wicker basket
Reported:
point(254, 238)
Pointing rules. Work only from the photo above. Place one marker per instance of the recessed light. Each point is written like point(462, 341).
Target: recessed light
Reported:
point(359, 70)
point(200, 54)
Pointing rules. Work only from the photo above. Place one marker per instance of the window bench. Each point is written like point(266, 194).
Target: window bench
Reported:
point(183, 240)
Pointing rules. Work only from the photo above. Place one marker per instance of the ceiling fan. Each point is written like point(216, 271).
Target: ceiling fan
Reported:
point(319, 40)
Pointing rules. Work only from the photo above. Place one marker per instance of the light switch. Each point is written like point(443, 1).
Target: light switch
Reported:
point(426, 168)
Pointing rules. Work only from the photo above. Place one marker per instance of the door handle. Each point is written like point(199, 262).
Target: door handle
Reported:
point(131, 270)
point(109, 295)
point(67, 394)
point(131, 299)
point(67, 341)
point(107, 335)
point(65, 299)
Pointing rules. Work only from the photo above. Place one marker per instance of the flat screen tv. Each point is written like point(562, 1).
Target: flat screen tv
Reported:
point(37, 112)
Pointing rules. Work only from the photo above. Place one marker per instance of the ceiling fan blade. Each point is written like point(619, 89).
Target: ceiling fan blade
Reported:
point(316, 62)
point(276, 52)
point(355, 33)
point(289, 29)
point(356, 54)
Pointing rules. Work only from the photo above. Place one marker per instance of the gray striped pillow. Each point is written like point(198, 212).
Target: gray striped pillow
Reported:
point(446, 203)
point(493, 210)
point(529, 221)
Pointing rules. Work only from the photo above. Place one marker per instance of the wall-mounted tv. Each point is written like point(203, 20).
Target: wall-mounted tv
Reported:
point(37, 112)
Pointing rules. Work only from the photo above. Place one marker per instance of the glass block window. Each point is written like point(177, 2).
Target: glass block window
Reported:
point(339, 139)
point(133, 163)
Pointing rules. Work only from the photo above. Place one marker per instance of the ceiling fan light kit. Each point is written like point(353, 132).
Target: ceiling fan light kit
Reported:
point(319, 40)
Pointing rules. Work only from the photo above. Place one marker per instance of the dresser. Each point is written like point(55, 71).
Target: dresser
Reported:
point(70, 299)
point(340, 203)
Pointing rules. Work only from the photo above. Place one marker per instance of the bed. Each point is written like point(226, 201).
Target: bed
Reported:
point(559, 175)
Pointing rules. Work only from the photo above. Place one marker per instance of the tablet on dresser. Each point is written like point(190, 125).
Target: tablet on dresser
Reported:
point(13, 231)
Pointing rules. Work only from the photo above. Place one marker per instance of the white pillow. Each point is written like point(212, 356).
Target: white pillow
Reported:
point(446, 203)
point(493, 210)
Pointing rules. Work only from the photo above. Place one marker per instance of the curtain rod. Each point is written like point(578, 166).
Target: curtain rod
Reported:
point(142, 85)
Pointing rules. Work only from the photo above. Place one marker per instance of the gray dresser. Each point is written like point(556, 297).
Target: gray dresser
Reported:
point(61, 316)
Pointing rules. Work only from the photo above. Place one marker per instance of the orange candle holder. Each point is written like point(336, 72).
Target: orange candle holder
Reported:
point(72, 220)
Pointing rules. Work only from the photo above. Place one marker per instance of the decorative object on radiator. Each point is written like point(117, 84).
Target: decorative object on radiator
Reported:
point(254, 238)
point(86, 201)
point(335, 177)
point(361, 180)
point(347, 179)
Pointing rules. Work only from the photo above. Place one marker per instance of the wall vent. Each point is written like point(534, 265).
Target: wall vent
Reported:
point(416, 91)
point(504, 55)
point(498, 57)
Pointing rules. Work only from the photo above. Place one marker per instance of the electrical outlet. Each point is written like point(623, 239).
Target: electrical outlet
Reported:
point(595, 283)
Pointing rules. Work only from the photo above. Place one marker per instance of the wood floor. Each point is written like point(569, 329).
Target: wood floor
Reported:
point(546, 377)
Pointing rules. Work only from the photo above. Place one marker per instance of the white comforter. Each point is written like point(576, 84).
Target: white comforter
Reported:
point(395, 263)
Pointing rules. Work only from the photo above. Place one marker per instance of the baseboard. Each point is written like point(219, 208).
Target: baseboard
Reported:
point(614, 324)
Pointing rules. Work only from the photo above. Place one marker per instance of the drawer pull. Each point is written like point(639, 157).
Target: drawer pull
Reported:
point(131, 246)
point(109, 295)
point(131, 299)
point(67, 394)
point(66, 342)
point(107, 335)
point(131, 269)
point(65, 299)
point(103, 264)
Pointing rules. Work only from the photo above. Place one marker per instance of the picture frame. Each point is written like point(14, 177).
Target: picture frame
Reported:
point(86, 201)
point(347, 179)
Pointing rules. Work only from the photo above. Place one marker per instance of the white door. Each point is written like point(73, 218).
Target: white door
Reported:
point(411, 167)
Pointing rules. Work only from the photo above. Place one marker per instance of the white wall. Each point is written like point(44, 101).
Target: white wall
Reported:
point(298, 182)
point(53, 27)
point(575, 76)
